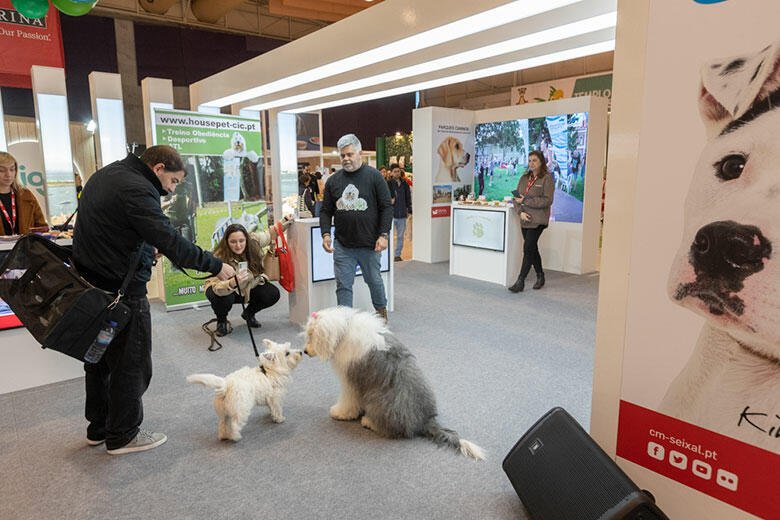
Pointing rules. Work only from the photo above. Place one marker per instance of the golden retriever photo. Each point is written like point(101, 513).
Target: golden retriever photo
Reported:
point(453, 156)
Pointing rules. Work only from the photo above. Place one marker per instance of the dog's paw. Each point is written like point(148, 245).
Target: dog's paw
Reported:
point(341, 414)
point(278, 419)
point(365, 422)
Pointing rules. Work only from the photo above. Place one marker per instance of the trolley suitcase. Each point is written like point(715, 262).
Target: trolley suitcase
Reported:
point(560, 473)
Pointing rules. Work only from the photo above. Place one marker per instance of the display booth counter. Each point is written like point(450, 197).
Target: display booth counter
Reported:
point(486, 243)
point(315, 285)
point(26, 365)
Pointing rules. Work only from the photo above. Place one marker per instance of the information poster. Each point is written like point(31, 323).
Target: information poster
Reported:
point(700, 397)
point(224, 185)
point(453, 158)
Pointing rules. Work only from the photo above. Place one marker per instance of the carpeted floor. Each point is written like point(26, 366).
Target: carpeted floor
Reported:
point(497, 361)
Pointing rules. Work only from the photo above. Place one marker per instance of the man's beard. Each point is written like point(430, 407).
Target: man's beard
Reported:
point(351, 168)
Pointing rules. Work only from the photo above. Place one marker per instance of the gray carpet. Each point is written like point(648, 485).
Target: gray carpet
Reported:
point(497, 361)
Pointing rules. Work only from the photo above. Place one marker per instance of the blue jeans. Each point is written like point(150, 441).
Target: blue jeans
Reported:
point(400, 228)
point(345, 259)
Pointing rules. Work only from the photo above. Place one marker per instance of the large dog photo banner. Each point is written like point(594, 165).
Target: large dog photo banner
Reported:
point(700, 398)
point(453, 155)
point(224, 185)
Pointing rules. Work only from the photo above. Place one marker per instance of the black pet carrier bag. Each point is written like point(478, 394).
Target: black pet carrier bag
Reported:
point(62, 311)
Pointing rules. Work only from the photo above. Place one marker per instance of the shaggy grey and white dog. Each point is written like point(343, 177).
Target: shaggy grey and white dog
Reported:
point(380, 381)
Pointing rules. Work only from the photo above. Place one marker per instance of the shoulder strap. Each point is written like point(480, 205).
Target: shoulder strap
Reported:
point(131, 271)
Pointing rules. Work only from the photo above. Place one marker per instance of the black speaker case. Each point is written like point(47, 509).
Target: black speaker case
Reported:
point(560, 473)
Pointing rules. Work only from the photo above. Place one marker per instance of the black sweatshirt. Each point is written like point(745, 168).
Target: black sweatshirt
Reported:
point(358, 203)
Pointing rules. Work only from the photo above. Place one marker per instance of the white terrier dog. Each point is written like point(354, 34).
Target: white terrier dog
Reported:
point(380, 379)
point(236, 394)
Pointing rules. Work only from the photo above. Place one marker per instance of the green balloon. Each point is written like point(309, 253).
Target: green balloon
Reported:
point(72, 8)
point(31, 8)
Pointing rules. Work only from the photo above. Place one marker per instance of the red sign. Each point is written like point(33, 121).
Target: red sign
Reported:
point(8, 319)
point(25, 42)
point(440, 211)
point(727, 469)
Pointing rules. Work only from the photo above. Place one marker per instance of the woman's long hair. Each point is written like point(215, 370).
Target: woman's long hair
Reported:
point(6, 159)
point(543, 168)
point(252, 253)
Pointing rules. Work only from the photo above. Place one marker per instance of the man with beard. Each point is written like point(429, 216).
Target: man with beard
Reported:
point(357, 201)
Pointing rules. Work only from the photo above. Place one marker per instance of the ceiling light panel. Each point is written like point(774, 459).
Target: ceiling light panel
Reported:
point(536, 60)
point(562, 32)
point(236, 84)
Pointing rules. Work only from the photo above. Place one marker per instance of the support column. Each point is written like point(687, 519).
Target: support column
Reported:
point(131, 90)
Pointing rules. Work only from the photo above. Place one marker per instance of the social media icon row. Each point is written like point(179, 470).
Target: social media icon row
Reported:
point(699, 468)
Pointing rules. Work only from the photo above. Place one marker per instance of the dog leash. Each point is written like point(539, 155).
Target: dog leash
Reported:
point(213, 334)
point(243, 309)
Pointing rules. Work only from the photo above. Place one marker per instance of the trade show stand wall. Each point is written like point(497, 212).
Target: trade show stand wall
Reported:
point(484, 152)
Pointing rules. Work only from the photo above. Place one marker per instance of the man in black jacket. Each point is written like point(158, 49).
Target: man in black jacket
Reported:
point(119, 212)
point(357, 202)
point(401, 197)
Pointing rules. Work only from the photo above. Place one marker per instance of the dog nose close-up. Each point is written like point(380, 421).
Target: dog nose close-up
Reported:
point(729, 250)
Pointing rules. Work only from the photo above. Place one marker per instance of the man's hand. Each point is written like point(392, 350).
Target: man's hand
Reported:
point(327, 244)
point(227, 272)
point(381, 243)
point(525, 217)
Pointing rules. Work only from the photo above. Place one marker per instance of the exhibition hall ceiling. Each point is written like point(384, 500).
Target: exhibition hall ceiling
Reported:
point(427, 48)
point(284, 19)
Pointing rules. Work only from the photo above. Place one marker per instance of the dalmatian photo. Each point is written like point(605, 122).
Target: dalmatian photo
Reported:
point(453, 156)
point(726, 269)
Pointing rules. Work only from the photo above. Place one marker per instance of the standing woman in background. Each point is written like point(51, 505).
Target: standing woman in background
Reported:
point(536, 189)
point(19, 209)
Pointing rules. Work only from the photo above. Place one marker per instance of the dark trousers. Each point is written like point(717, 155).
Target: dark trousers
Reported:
point(531, 256)
point(117, 382)
point(261, 297)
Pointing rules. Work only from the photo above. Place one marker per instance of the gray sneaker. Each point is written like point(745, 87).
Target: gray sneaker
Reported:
point(143, 441)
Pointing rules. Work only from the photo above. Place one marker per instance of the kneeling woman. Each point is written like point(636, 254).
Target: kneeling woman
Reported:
point(238, 245)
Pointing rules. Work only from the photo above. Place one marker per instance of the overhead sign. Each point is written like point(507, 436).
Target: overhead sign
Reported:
point(25, 42)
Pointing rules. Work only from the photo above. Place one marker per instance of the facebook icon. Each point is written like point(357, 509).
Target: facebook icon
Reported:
point(656, 451)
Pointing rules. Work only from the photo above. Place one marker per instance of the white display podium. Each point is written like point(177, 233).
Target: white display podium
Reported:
point(485, 243)
point(315, 288)
point(26, 365)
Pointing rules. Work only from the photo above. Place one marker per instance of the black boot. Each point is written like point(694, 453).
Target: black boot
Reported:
point(249, 316)
point(539, 281)
point(222, 328)
point(519, 285)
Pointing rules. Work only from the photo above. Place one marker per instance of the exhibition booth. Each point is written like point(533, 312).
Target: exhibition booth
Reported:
point(492, 148)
